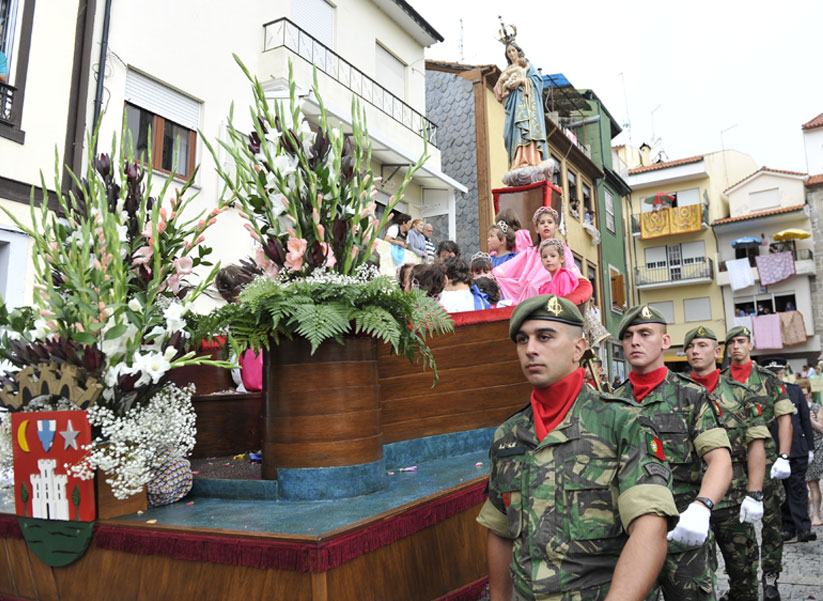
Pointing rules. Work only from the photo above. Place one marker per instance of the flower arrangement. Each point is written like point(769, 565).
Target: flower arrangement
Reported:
point(112, 296)
point(307, 194)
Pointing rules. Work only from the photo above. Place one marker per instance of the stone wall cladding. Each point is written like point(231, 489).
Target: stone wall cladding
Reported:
point(450, 104)
point(814, 199)
point(440, 223)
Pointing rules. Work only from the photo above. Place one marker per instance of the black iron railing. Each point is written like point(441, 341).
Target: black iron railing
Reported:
point(7, 103)
point(804, 254)
point(674, 273)
point(283, 33)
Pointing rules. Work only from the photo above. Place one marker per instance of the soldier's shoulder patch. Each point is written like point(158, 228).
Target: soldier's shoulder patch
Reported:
point(718, 410)
point(655, 446)
point(756, 410)
point(657, 469)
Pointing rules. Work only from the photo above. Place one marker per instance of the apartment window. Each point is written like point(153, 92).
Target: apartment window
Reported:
point(588, 205)
point(747, 252)
point(618, 290)
point(609, 202)
point(764, 199)
point(390, 72)
point(666, 308)
point(693, 252)
point(163, 121)
point(697, 309)
point(688, 197)
point(574, 204)
point(315, 17)
point(592, 276)
point(556, 172)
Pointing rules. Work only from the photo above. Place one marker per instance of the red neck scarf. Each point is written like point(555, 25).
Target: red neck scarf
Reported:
point(551, 404)
point(741, 373)
point(709, 380)
point(643, 384)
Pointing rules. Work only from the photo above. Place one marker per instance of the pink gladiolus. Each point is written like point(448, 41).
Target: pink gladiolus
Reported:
point(183, 265)
point(174, 283)
point(200, 240)
point(147, 229)
point(285, 201)
point(373, 193)
point(53, 245)
point(97, 265)
point(322, 231)
point(369, 210)
point(354, 250)
point(51, 325)
point(331, 260)
point(101, 305)
point(290, 218)
point(374, 246)
point(291, 232)
point(268, 266)
point(46, 313)
point(174, 214)
point(163, 214)
point(294, 258)
point(212, 221)
point(201, 224)
point(142, 255)
point(243, 214)
point(315, 215)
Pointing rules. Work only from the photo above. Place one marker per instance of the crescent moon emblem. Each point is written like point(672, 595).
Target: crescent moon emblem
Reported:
point(21, 436)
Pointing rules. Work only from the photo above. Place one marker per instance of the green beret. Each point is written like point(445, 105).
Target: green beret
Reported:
point(738, 331)
point(698, 332)
point(547, 307)
point(637, 315)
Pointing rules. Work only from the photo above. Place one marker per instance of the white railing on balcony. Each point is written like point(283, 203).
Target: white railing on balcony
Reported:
point(282, 33)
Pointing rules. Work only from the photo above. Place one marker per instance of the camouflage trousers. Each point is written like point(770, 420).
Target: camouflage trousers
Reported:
point(595, 593)
point(771, 549)
point(738, 543)
point(686, 575)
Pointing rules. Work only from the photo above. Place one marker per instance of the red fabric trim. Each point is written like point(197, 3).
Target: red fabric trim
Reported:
point(643, 384)
point(545, 184)
point(709, 381)
point(741, 373)
point(467, 318)
point(582, 293)
point(9, 527)
point(7, 598)
point(471, 592)
point(315, 557)
point(551, 404)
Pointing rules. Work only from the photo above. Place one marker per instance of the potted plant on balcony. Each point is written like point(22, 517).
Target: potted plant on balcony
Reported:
point(307, 194)
point(109, 316)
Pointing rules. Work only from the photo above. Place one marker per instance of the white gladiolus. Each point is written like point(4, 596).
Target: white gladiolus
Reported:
point(135, 305)
point(153, 365)
point(174, 317)
point(40, 330)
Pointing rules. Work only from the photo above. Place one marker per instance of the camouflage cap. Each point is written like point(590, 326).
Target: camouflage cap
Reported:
point(738, 331)
point(637, 315)
point(698, 332)
point(547, 307)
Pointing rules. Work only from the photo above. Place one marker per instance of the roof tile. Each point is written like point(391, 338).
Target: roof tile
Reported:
point(757, 215)
point(675, 163)
point(784, 172)
point(816, 122)
point(814, 180)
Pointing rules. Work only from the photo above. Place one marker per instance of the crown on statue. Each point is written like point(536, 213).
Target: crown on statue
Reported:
point(50, 379)
point(507, 32)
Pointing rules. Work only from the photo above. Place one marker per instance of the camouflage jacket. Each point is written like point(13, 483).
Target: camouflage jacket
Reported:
point(566, 502)
point(771, 396)
point(742, 417)
point(684, 416)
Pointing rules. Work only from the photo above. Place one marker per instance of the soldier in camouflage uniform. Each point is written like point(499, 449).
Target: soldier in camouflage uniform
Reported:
point(777, 411)
point(685, 419)
point(571, 474)
point(733, 517)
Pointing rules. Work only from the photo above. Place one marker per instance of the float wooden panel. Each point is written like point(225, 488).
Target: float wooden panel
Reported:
point(462, 401)
point(6, 578)
point(228, 424)
point(20, 569)
point(339, 426)
point(449, 423)
point(325, 454)
point(312, 402)
point(423, 566)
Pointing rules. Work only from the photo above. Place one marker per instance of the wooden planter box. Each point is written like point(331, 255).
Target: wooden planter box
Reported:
point(109, 506)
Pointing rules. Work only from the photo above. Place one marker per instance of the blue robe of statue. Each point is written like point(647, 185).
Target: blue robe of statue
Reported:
point(525, 122)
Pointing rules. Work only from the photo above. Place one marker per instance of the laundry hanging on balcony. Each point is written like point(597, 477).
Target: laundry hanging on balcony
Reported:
point(792, 328)
point(767, 333)
point(740, 274)
point(774, 268)
point(665, 222)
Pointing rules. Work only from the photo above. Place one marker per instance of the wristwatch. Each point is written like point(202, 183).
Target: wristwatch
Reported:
point(757, 495)
point(706, 501)
point(784, 456)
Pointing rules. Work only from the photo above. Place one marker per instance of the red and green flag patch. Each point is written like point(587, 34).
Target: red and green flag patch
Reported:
point(507, 498)
point(717, 408)
point(757, 411)
point(655, 446)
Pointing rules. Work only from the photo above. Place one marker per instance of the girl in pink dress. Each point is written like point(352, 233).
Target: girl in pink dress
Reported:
point(562, 282)
point(522, 276)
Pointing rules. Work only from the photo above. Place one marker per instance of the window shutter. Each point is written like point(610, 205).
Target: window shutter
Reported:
point(161, 100)
point(618, 291)
point(316, 17)
point(390, 72)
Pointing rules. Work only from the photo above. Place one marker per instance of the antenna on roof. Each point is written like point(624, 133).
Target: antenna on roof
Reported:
point(461, 41)
point(627, 125)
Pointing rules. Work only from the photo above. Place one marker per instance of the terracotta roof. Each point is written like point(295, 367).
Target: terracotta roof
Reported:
point(758, 215)
point(765, 169)
point(816, 122)
point(814, 180)
point(676, 163)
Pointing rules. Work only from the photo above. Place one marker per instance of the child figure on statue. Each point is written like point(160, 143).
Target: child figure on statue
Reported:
point(563, 282)
point(511, 78)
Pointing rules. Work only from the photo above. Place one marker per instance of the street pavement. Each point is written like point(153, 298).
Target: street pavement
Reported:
point(802, 576)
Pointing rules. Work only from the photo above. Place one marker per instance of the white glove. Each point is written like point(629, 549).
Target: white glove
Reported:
point(751, 510)
point(811, 456)
point(693, 526)
point(781, 469)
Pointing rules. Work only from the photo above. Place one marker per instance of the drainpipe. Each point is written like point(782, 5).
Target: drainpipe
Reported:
point(101, 71)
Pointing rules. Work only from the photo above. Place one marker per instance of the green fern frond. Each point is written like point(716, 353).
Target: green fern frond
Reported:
point(317, 323)
point(379, 323)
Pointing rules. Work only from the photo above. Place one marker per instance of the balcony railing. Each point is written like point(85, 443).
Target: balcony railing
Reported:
point(804, 254)
point(669, 223)
point(650, 276)
point(282, 33)
point(7, 103)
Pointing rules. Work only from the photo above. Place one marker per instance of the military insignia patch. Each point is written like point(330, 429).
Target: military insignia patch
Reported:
point(507, 498)
point(655, 446)
point(646, 313)
point(701, 331)
point(747, 332)
point(717, 408)
point(757, 411)
point(553, 306)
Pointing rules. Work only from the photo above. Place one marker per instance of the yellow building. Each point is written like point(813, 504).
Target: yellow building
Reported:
point(673, 247)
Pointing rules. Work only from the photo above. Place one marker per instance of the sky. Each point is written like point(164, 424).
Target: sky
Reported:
point(678, 72)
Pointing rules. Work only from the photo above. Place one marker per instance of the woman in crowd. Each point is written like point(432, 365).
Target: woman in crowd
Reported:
point(415, 240)
point(399, 224)
point(815, 469)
